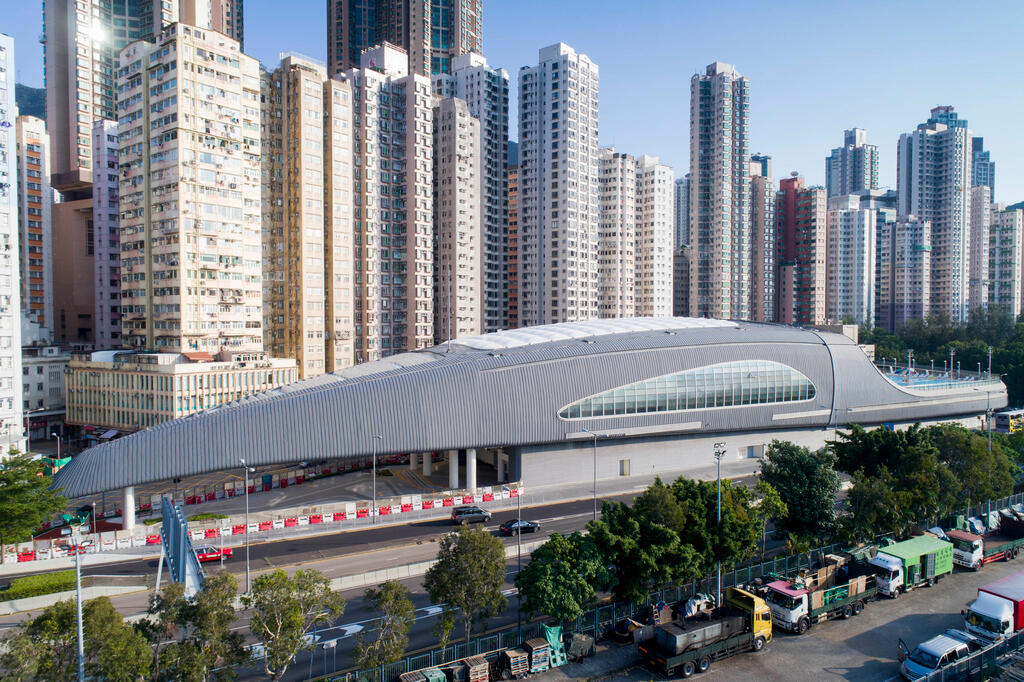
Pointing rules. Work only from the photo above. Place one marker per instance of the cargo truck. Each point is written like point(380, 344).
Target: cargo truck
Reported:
point(839, 589)
point(921, 560)
point(998, 610)
point(1003, 541)
point(690, 645)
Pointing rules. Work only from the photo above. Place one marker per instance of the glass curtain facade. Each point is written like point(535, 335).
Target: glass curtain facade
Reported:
point(727, 384)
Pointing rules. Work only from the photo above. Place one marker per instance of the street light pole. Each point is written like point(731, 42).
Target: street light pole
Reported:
point(375, 439)
point(78, 607)
point(595, 470)
point(519, 560)
point(245, 475)
point(58, 443)
point(719, 453)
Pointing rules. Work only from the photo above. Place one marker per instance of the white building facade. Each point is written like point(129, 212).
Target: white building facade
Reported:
point(852, 167)
point(559, 208)
point(1005, 260)
point(851, 262)
point(106, 234)
point(655, 224)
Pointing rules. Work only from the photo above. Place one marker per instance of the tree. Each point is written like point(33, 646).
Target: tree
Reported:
point(560, 578)
point(871, 507)
point(285, 609)
point(770, 507)
point(26, 500)
point(468, 576)
point(807, 482)
point(204, 647)
point(46, 647)
point(392, 600)
point(730, 542)
point(981, 475)
point(859, 448)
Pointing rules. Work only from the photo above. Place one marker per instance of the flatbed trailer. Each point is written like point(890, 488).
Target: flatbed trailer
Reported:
point(1002, 543)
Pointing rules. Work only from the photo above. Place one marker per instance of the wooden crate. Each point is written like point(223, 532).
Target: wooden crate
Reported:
point(518, 662)
point(477, 669)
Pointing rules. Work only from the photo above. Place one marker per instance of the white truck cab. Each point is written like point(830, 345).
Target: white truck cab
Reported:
point(968, 549)
point(787, 605)
point(989, 616)
point(888, 574)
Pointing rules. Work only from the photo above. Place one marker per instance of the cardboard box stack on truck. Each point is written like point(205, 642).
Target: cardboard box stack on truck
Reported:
point(690, 645)
point(921, 560)
point(1003, 539)
point(998, 610)
point(840, 588)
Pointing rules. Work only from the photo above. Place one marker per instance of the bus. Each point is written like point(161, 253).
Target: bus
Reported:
point(1010, 421)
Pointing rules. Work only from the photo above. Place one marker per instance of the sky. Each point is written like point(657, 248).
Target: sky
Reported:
point(815, 68)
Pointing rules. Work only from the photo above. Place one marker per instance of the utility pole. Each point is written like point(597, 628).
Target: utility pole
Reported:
point(719, 453)
point(595, 469)
point(375, 439)
point(245, 472)
point(78, 606)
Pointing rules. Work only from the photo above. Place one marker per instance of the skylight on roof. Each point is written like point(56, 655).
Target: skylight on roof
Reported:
point(565, 331)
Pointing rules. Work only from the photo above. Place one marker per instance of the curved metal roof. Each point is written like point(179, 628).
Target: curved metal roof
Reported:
point(505, 390)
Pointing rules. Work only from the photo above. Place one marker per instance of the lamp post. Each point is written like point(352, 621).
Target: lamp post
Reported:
point(519, 560)
point(990, 362)
point(78, 606)
point(58, 443)
point(910, 359)
point(719, 453)
point(595, 470)
point(245, 475)
point(375, 439)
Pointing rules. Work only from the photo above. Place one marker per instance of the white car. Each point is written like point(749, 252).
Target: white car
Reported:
point(936, 653)
point(256, 651)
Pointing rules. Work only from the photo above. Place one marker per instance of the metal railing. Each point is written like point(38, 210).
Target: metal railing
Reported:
point(987, 661)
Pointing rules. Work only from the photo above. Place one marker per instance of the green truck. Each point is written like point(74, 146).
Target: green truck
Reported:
point(689, 645)
point(921, 560)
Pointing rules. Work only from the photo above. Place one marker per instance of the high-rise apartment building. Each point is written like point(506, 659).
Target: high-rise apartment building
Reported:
point(719, 196)
point(432, 32)
point(903, 271)
point(655, 224)
point(34, 221)
point(393, 199)
point(189, 132)
point(558, 188)
point(12, 424)
point(485, 92)
point(82, 42)
point(682, 201)
point(934, 180)
point(762, 239)
point(983, 168)
point(1005, 261)
point(513, 247)
point(981, 219)
point(801, 218)
point(852, 257)
point(106, 235)
point(616, 289)
point(852, 167)
point(681, 281)
point(308, 286)
point(459, 261)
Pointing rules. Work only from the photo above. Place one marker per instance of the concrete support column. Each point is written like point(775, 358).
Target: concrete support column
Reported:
point(412, 460)
point(128, 509)
point(453, 469)
point(471, 470)
point(428, 463)
point(501, 466)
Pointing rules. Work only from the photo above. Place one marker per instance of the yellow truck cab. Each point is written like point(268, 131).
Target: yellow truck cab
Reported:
point(761, 615)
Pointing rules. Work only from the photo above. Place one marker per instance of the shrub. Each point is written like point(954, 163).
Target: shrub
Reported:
point(36, 585)
point(207, 516)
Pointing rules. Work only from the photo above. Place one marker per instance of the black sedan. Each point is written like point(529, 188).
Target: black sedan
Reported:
point(516, 526)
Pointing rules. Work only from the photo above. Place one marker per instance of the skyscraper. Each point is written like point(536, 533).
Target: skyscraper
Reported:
point(981, 219)
point(12, 422)
point(800, 228)
point(34, 232)
point(934, 179)
point(307, 216)
point(1006, 256)
point(189, 129)
point(655, 223)
point(394, 221)
point(432, 32)
point(682, 201)
point(616, 288)
point(852, 254)
point(106, 236)
point(984, 168)
point(558, 188)
point(485, 91)
point(852, 167)
point(458, 216)
point(903, 291)
point(513, 246)
point(719, 208)
point(762, 239)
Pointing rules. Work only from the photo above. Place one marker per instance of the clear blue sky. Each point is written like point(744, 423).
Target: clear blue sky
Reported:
point(815, 67)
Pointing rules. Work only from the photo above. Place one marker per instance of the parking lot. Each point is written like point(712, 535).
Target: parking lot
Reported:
point(861, 648)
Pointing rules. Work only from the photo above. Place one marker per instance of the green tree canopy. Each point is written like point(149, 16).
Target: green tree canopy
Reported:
point(468, 576)
point(392, 600)
point(46, 647)
point(26, 500)
point(285, 609)
point(981, 475)
point(859, 448)
point(807, 483)
point(561, 577)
